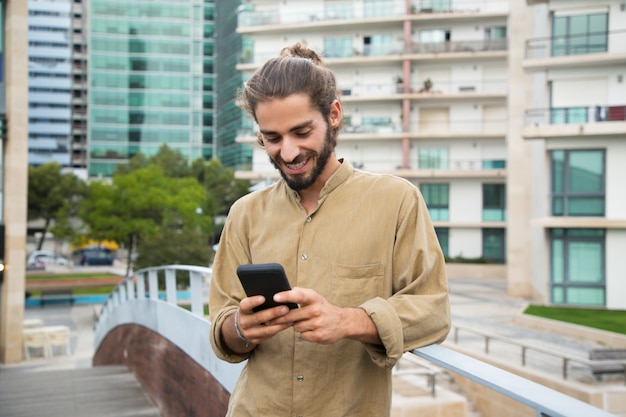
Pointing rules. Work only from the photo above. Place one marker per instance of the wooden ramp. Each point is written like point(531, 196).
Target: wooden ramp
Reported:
point(95, 392)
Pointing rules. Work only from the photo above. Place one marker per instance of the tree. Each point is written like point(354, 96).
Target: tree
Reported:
point(172, 161)
point(53, 197)
point(140, 203)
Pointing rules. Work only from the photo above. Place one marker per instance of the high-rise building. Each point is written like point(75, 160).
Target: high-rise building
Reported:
point(78, 155)
point(49, 79)
point(229, 79)
point(444, 93)
point(150, 80)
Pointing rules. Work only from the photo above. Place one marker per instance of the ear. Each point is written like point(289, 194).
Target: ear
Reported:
point(336, 114)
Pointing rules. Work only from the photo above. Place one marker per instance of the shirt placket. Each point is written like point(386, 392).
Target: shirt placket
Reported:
point(301, 367)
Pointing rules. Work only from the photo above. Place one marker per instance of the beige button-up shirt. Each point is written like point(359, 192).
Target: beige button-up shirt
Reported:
point(369, 243)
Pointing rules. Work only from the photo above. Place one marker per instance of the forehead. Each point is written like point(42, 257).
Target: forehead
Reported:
point(287, 112)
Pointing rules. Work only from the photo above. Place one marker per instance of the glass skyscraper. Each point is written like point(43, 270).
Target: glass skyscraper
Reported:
point(150, 80)
point(229, 117)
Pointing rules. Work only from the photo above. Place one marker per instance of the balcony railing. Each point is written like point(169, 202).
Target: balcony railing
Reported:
point(439, 87)
point(347, 11)
point(137, 301)
point(460, 46)
point(579, 44)
point(574, 115)
point(449, 47)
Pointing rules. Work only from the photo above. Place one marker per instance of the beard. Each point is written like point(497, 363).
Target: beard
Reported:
point(302, 181)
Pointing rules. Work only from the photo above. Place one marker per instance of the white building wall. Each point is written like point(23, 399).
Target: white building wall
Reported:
point(615, 271)
point(465, 242)
point(466, 201)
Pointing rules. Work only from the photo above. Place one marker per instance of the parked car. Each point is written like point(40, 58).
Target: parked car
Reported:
point(43, 258)
point(93, 255)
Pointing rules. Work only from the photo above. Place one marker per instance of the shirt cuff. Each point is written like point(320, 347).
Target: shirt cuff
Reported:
point(222, 351)
point(389, 328)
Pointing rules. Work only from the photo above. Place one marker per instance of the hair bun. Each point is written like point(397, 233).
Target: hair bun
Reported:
point(299, 50)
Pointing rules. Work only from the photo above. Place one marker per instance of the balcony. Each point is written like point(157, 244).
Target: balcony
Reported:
point(579, 121)
point(316, 16)
point(450, 50)
point(598, 49)
point(441, 90)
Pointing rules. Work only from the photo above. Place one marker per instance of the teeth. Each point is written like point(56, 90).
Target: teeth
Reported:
point(296, 166)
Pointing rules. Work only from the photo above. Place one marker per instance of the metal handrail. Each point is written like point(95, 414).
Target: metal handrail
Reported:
point(525, 347)
point(134, 300)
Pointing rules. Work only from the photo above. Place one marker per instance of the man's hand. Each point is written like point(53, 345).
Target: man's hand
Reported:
point(255, 327)
point(319, 321)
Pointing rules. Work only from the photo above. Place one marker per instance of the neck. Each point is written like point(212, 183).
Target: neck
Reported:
point(309, 196)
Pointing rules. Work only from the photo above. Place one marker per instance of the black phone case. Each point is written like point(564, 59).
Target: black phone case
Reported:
point(266, 280)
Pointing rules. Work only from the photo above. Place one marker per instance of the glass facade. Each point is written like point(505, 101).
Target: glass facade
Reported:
point(230, 118)
point(433, 158)
point(580, 34)
point(151, 80)
point(577, 270)
point(437, 198)
point(49, 82)
point(494, 202)
point(578, 182)
point(494, 245)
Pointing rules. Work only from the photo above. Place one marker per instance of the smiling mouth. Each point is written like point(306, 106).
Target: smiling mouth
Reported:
point(298, 166)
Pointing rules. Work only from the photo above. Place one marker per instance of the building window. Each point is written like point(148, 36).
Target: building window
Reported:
point(338, 47)
point(443, 236)
point(494, 202)
point(577, 266)
point(578, 178)
point(430, 6)
point(437, 198)
point(579, 34)
point(433, 158)
point(494, 245)
point(378, 8)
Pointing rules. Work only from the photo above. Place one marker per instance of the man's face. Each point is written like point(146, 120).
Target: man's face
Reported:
point(297, 138)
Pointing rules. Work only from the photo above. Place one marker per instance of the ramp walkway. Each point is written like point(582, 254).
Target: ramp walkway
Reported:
point(95, 392)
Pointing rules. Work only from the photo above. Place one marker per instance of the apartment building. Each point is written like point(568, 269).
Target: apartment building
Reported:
point(49, 82)
point(575, 122)
point(452, 95)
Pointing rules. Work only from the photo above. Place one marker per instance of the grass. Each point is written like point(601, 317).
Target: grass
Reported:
point(96, 290)
point(610, 320)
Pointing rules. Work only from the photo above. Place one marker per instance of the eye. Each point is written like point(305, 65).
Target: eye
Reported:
point(303, 133)
point(271, 139)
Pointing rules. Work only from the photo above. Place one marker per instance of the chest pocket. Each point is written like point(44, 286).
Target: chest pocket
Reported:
point(353, 285)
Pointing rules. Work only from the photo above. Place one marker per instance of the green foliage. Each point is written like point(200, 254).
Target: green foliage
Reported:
point(170, 246)
point(54, 197)
point(610, 320)
point(464, 260)
point(140, 203)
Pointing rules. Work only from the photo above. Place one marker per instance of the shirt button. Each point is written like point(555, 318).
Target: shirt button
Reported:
point(308, 219)
point(304, 257)
point(300, 378)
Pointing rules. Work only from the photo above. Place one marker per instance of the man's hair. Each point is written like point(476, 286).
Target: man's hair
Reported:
point(297, 70)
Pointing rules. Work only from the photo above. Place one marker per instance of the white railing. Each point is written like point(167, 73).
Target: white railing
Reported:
point(152, 298)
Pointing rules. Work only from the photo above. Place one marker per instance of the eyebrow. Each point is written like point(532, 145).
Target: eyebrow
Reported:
point(293, 129)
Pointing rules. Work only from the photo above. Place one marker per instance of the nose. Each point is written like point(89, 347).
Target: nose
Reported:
point(289, 149)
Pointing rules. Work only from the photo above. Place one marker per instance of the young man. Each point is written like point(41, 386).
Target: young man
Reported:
point(359, 250)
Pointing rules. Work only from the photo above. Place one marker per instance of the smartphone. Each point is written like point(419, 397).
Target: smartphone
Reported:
point(266, 280)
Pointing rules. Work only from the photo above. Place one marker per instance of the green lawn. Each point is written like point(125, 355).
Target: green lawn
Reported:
point(611, 320)
point(83, 275)
point(97, 290)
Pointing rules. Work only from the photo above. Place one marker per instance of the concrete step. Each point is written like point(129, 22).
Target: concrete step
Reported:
point(96, 392)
